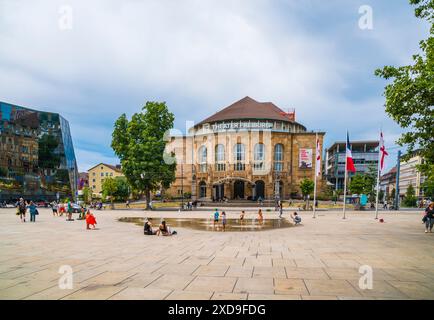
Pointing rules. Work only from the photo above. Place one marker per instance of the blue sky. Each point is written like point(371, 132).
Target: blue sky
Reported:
point(200, 56)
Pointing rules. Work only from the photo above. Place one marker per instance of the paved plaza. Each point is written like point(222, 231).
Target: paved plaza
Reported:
point(317, 260)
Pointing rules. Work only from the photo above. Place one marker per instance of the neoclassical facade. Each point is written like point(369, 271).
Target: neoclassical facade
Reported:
point(248, 150)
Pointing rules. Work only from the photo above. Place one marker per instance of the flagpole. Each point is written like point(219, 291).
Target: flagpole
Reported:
point(346, 175)
point(378, 178)
point(315, 173)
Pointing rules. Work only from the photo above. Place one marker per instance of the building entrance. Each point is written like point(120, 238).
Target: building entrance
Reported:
point(239, 189)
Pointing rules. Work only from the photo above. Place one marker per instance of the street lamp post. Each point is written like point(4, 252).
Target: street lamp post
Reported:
point(182, 187)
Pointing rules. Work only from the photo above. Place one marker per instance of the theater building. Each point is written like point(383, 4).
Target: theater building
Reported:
point(247, 150)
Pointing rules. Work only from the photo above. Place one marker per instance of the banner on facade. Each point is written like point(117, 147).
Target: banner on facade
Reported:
point(305, 159)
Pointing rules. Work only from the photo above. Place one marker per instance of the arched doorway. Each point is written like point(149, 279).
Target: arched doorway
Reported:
point(259, 189)
point(202, 189)
point(219, 191)
point(239, 189)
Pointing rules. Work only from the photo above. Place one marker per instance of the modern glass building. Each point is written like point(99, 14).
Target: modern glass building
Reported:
point(365, 156)
point(37, 159)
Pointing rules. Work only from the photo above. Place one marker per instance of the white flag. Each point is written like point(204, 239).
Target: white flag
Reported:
point(318, 159)
point(383, 152)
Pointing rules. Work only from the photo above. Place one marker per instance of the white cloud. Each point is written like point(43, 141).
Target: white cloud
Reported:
point(196, 55)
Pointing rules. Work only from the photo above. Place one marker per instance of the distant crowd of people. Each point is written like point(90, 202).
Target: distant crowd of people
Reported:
point(58, 210)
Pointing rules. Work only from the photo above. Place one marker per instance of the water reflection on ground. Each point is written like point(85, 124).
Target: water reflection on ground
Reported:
point(208, 224)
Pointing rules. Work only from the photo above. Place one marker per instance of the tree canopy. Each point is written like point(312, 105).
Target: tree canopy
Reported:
point(410, 96)
point(140, 145)
point(306, 187)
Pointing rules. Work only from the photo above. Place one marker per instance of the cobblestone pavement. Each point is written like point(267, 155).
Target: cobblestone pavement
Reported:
point(318, 260)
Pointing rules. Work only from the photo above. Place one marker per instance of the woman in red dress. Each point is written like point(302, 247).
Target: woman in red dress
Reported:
point(90, 220)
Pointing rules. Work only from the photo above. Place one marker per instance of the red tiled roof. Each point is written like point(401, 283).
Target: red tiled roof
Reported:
point(248, 108)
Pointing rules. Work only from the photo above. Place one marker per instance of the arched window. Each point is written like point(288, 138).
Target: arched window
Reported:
point(202, 159)
point(239, 157)
point(278, 157)
point(259, 157)
point(220, 158)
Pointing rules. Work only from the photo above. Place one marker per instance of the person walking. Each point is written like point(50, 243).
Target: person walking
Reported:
point(33, 211)
point(429, 218)
point(54, 207)
point(69, 207)
point(127, 204)
point(90, 220)
point(22, 209)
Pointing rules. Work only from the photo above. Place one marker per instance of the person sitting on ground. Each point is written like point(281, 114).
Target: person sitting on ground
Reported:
point(147, 230)
point(90, 220)
point(296, 218)
point(164, 230)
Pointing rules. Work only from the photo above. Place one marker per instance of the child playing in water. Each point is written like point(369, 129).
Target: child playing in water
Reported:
point(260, 216)
point(216, 216)
point(296, 218)
point(224, 221)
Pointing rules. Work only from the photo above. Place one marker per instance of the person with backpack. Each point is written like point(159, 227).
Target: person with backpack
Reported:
point(33, 211)
point(429, 218)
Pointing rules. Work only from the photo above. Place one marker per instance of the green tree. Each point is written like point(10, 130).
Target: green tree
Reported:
point(140, 145)
point(410, 97)
point(392, 194)
point(381, 195)
point(358, 184)
point(306, 187)
point(410, 199)
point(428, 185)
point(109, 188)
point(122, 189)
point(87, 194)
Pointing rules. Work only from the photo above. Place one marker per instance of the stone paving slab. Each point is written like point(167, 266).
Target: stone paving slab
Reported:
point(318, 260)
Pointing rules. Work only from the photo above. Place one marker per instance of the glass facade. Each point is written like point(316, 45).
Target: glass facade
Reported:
point(37, 159)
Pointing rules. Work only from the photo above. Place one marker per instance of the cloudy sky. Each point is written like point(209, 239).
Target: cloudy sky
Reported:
point(93, 60)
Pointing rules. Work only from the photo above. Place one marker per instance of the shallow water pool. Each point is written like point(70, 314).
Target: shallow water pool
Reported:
point(208, 224)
